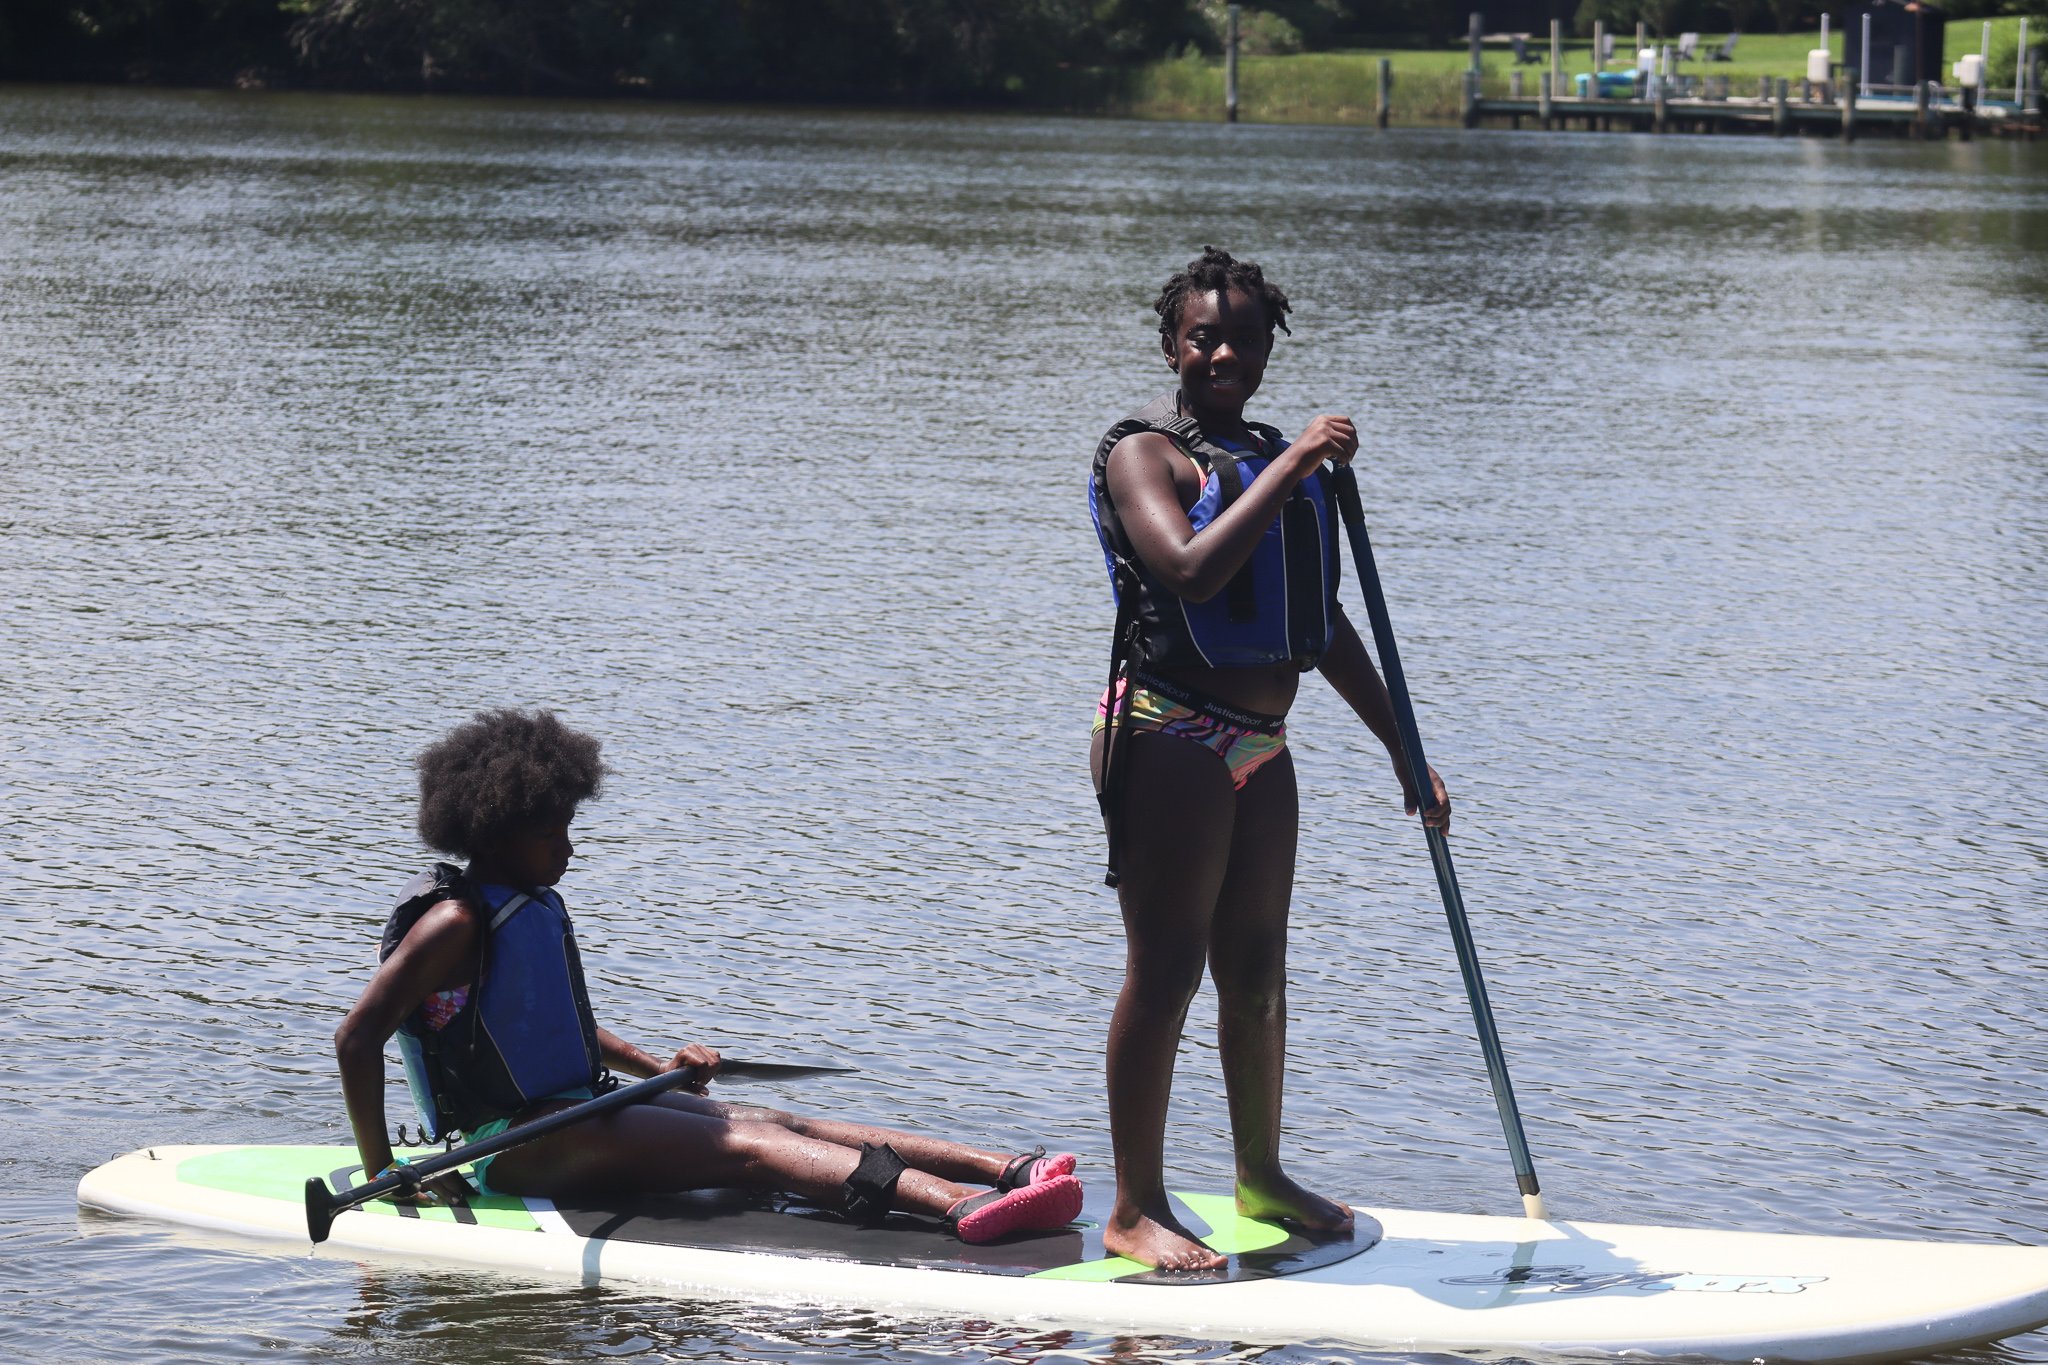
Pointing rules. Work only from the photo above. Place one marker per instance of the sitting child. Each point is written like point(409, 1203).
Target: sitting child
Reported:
point(480, 981)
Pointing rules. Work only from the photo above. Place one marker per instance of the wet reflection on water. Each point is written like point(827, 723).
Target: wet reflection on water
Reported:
point(1708, 477)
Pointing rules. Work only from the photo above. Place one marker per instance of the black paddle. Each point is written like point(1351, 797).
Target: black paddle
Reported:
point(1346, 483)
point(322, 1204)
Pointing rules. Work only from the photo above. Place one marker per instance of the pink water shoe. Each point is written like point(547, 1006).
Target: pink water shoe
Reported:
point(1034, 1166)
point(1040, 1207)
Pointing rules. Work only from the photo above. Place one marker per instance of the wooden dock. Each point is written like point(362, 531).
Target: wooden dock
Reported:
point(1929, 113)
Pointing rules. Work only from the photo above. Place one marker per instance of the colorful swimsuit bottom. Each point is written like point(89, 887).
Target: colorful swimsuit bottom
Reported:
point(1245, 740)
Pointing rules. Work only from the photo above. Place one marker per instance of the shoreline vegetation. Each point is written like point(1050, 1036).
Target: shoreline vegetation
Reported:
point(1301, 61)
point(1340, 87)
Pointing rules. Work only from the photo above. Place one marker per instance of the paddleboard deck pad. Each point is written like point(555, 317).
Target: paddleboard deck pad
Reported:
point(1401, 1279)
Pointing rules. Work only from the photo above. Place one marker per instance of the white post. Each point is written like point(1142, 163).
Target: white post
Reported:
point(1230, 66)
point(1863, 71)
point(1984, 50)
point(1556, 58)
point(1600, 42)
point(2019, 68)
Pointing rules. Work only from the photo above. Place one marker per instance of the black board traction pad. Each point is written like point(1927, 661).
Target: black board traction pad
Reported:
point(1404, 1279)
point(731, 1220)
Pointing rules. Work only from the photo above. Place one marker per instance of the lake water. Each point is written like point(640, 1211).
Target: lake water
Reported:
point(1709, 479)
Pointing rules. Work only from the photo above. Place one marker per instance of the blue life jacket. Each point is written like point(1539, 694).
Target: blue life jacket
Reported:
point(526, 1031)
point(1280, 607)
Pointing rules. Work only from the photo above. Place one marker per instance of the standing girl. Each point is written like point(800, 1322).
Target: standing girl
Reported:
point(1222, 547)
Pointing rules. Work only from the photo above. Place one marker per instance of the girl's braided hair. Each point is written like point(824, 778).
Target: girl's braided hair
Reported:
point(1215, 271)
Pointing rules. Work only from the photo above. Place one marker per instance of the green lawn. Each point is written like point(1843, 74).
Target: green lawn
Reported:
point(1338, 87)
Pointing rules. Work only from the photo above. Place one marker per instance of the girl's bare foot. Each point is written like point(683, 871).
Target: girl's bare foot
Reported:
point(1158, 1240)
point(1277, 1198)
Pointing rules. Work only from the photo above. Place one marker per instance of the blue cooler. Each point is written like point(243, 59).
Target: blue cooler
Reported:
point(1614, 85)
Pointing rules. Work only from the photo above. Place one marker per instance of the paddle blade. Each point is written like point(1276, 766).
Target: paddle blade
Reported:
point(729, 1070)
point(320, 1210)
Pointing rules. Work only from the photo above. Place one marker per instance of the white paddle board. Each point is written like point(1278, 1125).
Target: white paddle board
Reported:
point(1403, 1280)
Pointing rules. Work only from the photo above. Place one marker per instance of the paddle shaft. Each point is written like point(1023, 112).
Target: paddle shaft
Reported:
point(322, 1204)
point(1353, 511)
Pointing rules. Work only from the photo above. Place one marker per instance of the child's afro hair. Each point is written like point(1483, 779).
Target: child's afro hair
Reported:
point(501, 771)
point(1213, 272)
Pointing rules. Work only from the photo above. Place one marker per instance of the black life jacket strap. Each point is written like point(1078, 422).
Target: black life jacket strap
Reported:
point(1123, 653)
point(1302, 533)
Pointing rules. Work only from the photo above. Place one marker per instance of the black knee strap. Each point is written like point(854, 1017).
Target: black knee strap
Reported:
point(871, 1189)
point(1016, 1172)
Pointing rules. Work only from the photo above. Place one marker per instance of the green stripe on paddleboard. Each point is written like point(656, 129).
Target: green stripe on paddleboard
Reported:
point(1230, 1234)
point(281, 1172)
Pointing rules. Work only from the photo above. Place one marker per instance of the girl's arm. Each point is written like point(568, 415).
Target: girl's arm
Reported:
point(1349, 670)
point(623, 1056)
point(441, 946)
point(1142, 473)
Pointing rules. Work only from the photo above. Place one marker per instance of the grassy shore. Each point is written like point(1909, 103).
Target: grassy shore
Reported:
point(1339, 87)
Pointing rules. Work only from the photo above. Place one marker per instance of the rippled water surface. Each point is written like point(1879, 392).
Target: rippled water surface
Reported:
point(1709, 478)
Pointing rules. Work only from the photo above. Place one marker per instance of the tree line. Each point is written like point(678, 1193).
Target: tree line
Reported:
point(901, 51)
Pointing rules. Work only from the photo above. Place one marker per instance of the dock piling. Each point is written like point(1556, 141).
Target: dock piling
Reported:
point(1556, 58)
point(1920, 130)
point(2020, 84)
point(1543, 109)
point(1781, 108)
point(1863, 67)
point(1384, 103)
point(2019, 69)
point(1848, 111)
point(1230, 65)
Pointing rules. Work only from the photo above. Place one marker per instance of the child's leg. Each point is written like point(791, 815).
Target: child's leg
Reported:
point(1178, 810)
point(1248, 962)
point(656, 1149)
point(950, 1160)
